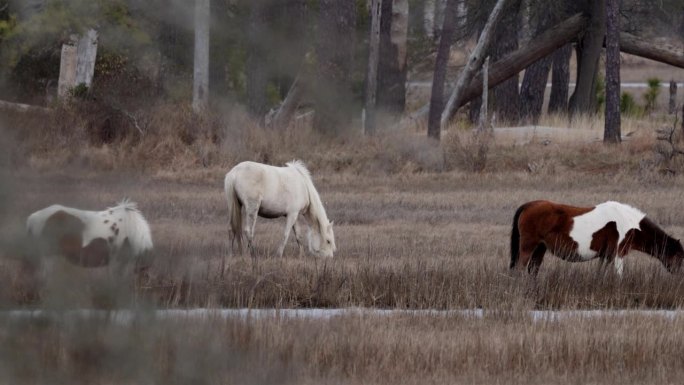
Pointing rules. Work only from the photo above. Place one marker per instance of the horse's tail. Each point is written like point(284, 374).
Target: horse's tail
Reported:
point(234, 210)
point(515, 237)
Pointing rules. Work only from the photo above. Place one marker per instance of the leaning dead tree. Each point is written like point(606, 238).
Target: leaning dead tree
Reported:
point(288, 107)
point(517, 61)
point(474, 63)
point(545, 44)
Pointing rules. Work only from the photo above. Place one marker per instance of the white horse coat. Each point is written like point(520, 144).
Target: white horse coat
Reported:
point(90, 238)
point(273, 192)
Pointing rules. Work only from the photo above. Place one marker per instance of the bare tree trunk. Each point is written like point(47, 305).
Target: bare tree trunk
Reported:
point(67, 69)
point(483, 125)
point(372, 74)
point(533, 86)
point(673, 97)
point(441, 61)
point(475, 106)
point(335, 52)
point(583, 100)
point(257, 68)
point(200, 86)
point(533, 89)
point(429, 18)
point(525, 16)
point(560, 80)
point(77, 64)
point(391, 93)
point(611, 133)
point(441, 9)
point(473, 64)
point(506, 98)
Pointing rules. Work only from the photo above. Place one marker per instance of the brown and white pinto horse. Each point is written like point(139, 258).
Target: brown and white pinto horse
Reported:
point(607, 231)
point(90, 238)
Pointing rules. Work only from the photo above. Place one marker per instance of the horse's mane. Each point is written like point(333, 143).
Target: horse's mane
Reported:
point(300, 166)
point(316, 208)
point(126, 204)
point(137, 228)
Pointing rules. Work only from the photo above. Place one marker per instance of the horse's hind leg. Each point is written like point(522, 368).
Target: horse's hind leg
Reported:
point(297, 233)
point(527, 249)
point(251, 211)
point(536, 259)
point(289, 222)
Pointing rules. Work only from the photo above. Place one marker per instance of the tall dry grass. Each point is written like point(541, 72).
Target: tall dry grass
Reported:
point(348, 349)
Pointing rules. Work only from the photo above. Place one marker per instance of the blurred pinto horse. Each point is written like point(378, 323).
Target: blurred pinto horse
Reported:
point(607, 231)
point(90, 238)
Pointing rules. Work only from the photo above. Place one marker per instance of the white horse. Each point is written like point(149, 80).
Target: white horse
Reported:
point(273, 192)
point(91, 238)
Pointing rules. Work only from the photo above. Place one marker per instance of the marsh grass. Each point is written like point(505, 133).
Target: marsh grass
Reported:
point(408, 240)
point(500, 348)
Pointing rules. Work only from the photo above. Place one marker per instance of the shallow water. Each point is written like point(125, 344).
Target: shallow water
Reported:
point(127, 316)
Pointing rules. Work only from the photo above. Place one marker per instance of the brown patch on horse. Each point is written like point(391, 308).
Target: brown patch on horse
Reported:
point(605, 240)
point(548, 223)
point(106, 221)
point(95, 254)
point(63, 234)
point(69, 246)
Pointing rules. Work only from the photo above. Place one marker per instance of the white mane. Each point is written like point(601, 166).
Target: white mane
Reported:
point(136, 228)
point(299, 166)
point(125, 204)
point(316, 209)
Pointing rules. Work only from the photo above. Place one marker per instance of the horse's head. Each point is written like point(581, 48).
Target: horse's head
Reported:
point(322, 242)
point(673, 255)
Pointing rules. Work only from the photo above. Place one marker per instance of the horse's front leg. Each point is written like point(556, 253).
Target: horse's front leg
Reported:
point(600, 268)
point(616, 260)
point(290, 220)
point(619, 263)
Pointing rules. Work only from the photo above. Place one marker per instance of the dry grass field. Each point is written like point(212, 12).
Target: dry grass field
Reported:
point(415, 229)
point(349, 350)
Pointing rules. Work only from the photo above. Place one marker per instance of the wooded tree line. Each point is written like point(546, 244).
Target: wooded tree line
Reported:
point(347, 59)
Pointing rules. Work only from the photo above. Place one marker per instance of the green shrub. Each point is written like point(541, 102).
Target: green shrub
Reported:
point(651, 95)
point(600, 92)
point(629, 106)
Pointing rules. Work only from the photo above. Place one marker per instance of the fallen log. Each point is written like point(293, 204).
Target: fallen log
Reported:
point(637, 46)
point(20, 107)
